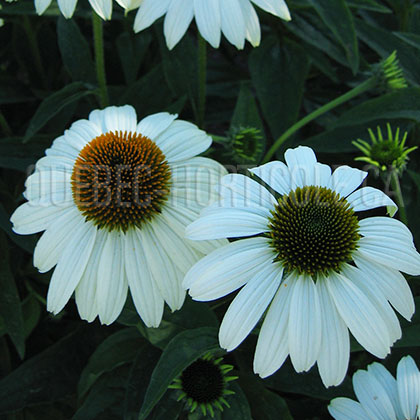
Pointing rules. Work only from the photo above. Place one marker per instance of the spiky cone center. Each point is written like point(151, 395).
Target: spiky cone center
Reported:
point(313, 231)
point(120, 180)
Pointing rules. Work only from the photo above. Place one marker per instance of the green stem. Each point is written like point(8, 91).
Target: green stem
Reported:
point(395, 183)
point(202, 69)
point(5, 126)
point(98, 38)
point(33, 44)
point(363, 87)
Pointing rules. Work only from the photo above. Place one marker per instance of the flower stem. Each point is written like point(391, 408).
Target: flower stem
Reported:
point(363, 87)
point(98, 38)
point(395, 183)
point(202, 70)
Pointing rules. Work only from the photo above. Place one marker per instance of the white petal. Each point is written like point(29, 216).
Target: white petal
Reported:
point(178, 17)
point(111, 285)
point(252, 24)
point(392, 253)
point(385, 228)
point(86, 289)
point(305, 327)
point(70, 267)
point(359, 314)
point(368, 198)
point(301, 162)
point(372, 396)
point(347, 409)
point(182, 140)
point(389, 384)
point(67, 7)
point(153, 125)
point(276, 175)
point(233, 23)
point(408, 383)
point(50, 163)
point(391, 282)
point(41, 6)
point(115, 118)
point(371, 290)
point(227, 268)
point(145, 293)
point(345, 180)
point(28, 218)
point(228, 223)
point(55, 238)
point(273, 340)
point(164, 272)
point(276, 7)
point(333, 359)
point(248, 306)
point(62, 148)
point(207, 17)
point(149, 11)
point(103, 8)
point(81, 133)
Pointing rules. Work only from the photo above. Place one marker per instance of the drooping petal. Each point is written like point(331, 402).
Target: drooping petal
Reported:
point(178, 17)
point(359, 314)
point(305, 324)
point(276, 7)
point(41, 6)
point(368, 198)
point(103, 8)
point(252, 24)
point(345, 180)
point(347, 409)
point(70, 267)
point(145, 293)
point(207, 17)
point(149, 11)
point(111, 285)
point(333, 359)
point(273, 339)
point(408, 383)
point(248, 306)
point(233, 23)
point(227, 268)
point(392, 283)
point(67, 7)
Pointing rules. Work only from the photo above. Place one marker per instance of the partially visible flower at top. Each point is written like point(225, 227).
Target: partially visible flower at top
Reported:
point(237, 19)
point(204, 384)
point(380, 395)
point(389, 73)
point(129, 4)
point(386, 154)
point(309, 261)
point(103, 8)
point(114, 196)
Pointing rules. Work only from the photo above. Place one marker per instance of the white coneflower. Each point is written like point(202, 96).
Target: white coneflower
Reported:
point(318, 269)
point(237, 19)
point(114, 197)
point(382, 396)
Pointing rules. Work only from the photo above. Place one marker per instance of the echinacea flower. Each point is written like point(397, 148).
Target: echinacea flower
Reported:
point(114, 197)
point(204, 384)
point(103, 8)
point(310, 260)
point(237, 19)
point(380, 395)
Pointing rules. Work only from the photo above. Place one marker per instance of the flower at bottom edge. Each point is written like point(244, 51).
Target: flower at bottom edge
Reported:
point(308, 261)
point(113, 197)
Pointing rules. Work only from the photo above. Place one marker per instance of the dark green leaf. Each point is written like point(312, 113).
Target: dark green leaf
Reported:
point(31, 313)
point(369, 5)
point(75, 51)
point(338, 18)
point(10, 307)
point(278, 74)
point(239, 407)
point(178, 354)
point(116, 350)
point(52, 105)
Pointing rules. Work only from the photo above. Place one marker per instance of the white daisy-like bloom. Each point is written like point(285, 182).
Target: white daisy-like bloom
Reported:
point(129, 4)
point(103, 8)
point(380, 395)
point(307, 259)
point(237, 19)
point(114, 197)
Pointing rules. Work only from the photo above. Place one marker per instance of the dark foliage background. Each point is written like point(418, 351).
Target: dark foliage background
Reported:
point(61, 367)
